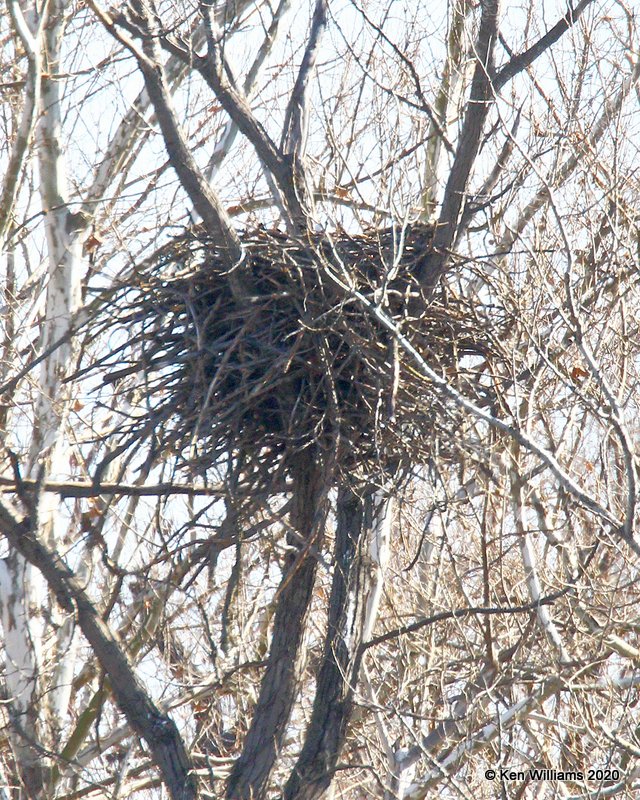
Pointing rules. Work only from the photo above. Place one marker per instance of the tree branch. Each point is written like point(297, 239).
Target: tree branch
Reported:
point(294, 134)
point(362, 536)
point(462, 613)
point(296, 125)
point(460, 401)
point(77, 489)
point(230, 131)
point(484, 736)
point(204, 199)
point(484, 89)
point(480, 101)
point(156, 728)
point(215, 72)
point(252, 771)
point(33, 48)
point(524, 60)
point(118, 155)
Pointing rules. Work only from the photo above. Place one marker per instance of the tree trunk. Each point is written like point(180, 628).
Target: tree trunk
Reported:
point(39, 680)
point(250, 777)
point(361, 555)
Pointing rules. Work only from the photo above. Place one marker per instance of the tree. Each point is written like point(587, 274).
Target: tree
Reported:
point(319, 377)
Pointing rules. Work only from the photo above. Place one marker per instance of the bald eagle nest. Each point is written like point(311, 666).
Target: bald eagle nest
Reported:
point(297, 362)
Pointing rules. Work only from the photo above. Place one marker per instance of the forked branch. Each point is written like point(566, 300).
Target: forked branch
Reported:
point(145, 718)
point(480, 102)
point(484, 88)
point(205, 201)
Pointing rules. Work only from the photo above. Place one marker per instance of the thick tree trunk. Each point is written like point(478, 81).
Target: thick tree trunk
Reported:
point(361, 555)
point(250, 777)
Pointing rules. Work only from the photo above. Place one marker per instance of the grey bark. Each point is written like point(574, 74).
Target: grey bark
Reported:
point(480, 101)
point(156, 728)
point(338, 677)
point(485, 86)
point(250, 777)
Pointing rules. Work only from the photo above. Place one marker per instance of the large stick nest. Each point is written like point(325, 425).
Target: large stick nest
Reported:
point(298, 363)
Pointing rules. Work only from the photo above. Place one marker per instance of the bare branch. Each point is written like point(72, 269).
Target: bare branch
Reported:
point(550, 461)
point(526, 59)
point(227, 137)
point(461, 613)
point(481, 738)
point(363, 527)
point(120, 149)
point(157, 729)
point(215, 71)
point(205, 201)
point(296, 124)
point(484, 89)
point(32, 44)
point(67, 489)
point(265, 737)
point(480, 100)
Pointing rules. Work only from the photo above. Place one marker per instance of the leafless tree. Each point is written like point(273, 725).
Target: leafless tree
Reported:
point(319, 376)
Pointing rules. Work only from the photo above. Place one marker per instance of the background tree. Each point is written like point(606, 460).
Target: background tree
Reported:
point(319, 395)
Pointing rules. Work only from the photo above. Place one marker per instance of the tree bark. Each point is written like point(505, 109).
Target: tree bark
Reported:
point(250, 777)
point(39, 679)
point(361, 555)
point(157, 729)
point(480, 101)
